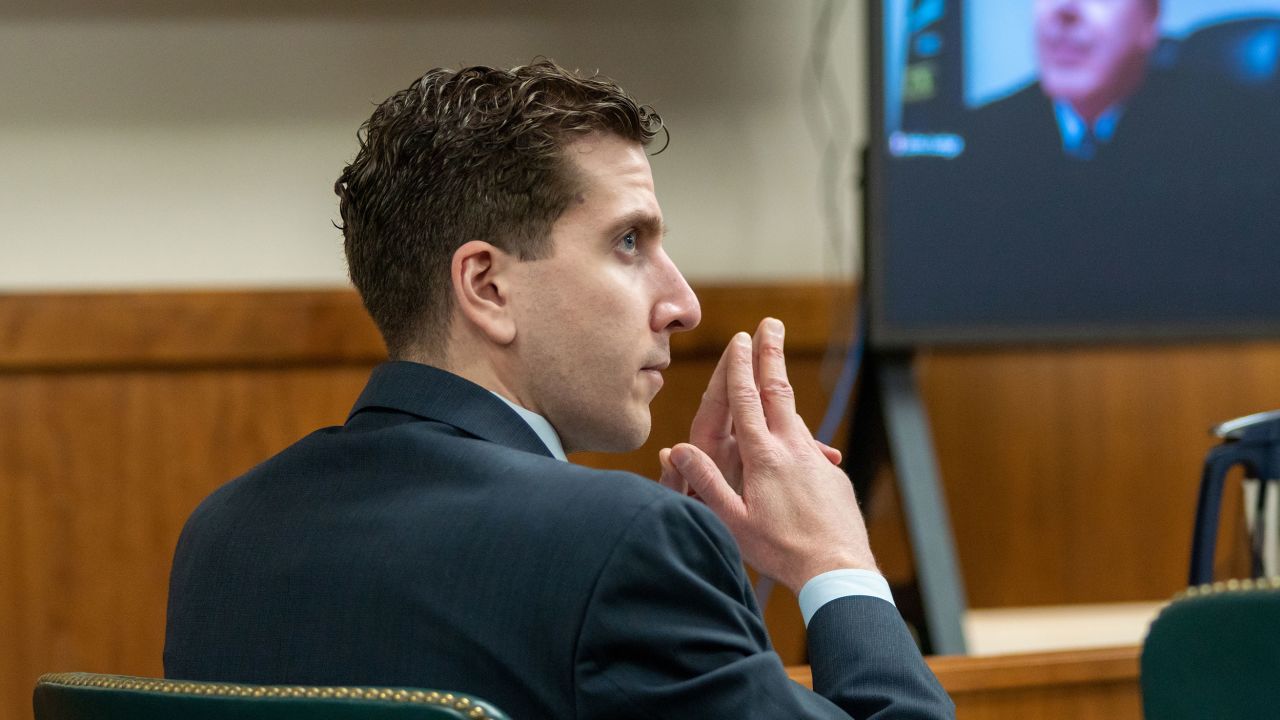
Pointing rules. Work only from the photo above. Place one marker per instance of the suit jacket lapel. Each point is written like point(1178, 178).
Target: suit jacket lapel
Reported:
point(435, 394)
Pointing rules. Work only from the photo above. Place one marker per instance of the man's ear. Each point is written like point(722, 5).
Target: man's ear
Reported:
point(480, 275)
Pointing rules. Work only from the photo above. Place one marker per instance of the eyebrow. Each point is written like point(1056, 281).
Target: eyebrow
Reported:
point(643, 220)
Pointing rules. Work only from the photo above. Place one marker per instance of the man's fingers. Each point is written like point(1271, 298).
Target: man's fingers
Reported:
point(744, 398)
point(707, 483)
point(757, 341)
point(831, 453)
point(671, 478)
point(713, 422)
point(776, 394)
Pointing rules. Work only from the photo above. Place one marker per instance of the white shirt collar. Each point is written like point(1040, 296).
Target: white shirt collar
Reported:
point(540, 427)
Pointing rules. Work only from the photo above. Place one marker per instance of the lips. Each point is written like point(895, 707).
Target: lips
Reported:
point(1065, 51)
point(654, 371)
point(655, 375)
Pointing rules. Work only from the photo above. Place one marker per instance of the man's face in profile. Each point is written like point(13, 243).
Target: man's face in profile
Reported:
point(595, 319)
point(1093, 53)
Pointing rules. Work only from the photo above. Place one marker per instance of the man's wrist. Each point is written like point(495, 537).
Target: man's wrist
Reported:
point(841, 561)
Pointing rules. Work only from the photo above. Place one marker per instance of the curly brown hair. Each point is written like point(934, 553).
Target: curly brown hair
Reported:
point(460, 155)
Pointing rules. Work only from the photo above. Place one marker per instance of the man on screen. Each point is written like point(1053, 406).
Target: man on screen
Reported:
point(1093, 56)
point(503, 232)
point(1100, 95)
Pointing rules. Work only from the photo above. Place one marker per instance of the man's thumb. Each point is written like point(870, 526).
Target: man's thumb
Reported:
point(705, 479)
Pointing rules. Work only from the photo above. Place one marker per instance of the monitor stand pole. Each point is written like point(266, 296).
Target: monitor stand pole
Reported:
point(889, 424)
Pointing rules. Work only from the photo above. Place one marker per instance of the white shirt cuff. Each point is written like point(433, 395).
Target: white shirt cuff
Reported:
point(836, 584)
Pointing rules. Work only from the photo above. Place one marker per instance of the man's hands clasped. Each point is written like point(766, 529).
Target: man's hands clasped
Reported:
point(754, 463)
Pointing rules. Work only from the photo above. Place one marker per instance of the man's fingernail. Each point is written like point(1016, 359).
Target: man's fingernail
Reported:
point(742, 339)
point(773, 326)
point(682, 458)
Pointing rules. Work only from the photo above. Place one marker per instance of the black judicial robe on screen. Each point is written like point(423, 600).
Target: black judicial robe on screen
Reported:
point(1175, 221)
point(432, 541)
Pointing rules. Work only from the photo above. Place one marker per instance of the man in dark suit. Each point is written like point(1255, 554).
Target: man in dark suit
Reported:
point(502, 229)
point(1093, 56)
point(1114, 190)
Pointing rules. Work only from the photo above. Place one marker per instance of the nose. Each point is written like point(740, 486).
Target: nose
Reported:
point(1068, 10)
point(677, 308)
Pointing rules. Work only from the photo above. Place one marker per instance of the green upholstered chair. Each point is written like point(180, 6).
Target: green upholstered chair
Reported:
point(88, 696)
point(1214, 652)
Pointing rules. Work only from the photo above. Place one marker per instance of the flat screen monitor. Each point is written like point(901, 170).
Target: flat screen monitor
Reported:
point(1073, 170)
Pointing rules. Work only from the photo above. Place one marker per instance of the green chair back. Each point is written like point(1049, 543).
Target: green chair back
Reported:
point(1214, 652)
point(89, 696)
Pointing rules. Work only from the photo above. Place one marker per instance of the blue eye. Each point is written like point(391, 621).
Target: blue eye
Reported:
point(628, 241)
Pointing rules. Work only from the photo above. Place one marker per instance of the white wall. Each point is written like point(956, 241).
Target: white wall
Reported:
point(158, 144)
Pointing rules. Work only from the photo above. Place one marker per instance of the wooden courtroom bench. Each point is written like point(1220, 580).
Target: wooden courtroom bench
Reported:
point(1067, 685)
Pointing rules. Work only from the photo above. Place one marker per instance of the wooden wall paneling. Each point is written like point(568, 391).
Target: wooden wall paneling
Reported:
point(16, 590)
point(1072, 474)
point(107, 468)
point(105, 330)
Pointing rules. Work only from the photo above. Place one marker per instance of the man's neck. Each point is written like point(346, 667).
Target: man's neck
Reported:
point(540, 426)
point(485, 376)
point(484, 370)
point(1090, 109)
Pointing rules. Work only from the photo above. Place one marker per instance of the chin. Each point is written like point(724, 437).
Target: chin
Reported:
point(631, 438)
point(1070, 86)
point(614, 437)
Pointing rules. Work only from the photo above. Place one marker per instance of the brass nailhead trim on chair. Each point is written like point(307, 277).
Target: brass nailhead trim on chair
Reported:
point(184, 687)
point(1223, 586)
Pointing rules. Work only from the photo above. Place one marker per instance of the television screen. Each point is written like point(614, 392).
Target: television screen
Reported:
point(1073, 170)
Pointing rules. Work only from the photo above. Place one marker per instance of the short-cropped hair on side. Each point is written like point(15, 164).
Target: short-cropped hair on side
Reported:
point(460, 155)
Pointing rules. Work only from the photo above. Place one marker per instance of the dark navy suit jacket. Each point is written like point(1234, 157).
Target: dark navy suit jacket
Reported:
point(432, 541)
